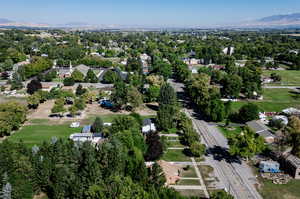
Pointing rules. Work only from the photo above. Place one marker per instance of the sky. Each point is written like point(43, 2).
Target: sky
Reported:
point(176, 13)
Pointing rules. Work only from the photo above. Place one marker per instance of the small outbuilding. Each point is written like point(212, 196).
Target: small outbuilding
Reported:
point(269, 167)
point(291, 164)
point(148, 126)
point(86, 129)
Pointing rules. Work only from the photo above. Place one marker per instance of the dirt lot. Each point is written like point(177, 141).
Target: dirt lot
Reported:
point(43, 113)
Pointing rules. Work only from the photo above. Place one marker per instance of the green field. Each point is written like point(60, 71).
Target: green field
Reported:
point(189, 173)
point(188, 182)
point(289, 77)
point(175, 156)
point(275, 100)
point(230, 131)
point(37, 134)
point(288, 191)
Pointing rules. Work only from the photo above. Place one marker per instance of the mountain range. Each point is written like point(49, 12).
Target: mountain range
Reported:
point(278, 21)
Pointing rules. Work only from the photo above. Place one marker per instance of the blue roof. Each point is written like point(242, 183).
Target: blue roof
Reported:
point(86, 129)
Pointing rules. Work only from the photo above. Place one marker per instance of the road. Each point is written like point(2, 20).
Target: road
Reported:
point(236, 177)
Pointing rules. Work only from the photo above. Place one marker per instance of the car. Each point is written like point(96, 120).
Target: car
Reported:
point(75, 125)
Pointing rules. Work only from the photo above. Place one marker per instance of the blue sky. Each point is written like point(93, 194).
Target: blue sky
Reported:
point(144, 12)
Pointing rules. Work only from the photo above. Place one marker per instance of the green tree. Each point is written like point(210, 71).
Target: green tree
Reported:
point(73, 110)
point(197, 149)
point(69, 81)
point(248, 112)
point(293, 134)
point(246, 144)
point(134, 97)
point(34, 100)
point(91, 77)
point(221, 195)
point(97, 126)
point(110, 77)
point(80, 90)
point(167, 95)
point(59, 106)
point(232, 85)
point(77, 76)
point(33, 86)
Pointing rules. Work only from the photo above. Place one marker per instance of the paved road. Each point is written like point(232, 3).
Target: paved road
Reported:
point(237, 178)
point(287, 87)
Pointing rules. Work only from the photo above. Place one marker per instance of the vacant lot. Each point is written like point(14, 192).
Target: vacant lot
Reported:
point(288, 191)
point(274, 100)
point(289, 77)
point(230, 131)
point(37, 134)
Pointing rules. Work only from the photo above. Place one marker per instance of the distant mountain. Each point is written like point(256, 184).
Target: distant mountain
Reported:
point(279, 18)
point(9, 23)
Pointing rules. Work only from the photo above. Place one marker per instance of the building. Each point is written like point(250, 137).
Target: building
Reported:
point(269, 167)
point(291, 164)
point(148, 126)
point(86, 129)
point(94, 138)
point(291, 111)
point(262, 130)
point(48, 86)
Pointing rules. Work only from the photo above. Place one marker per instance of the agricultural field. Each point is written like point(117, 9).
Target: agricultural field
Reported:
point(273, 191)
point(289, 77)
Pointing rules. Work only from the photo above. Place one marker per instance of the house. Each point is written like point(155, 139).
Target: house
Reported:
point(228, 51)
point(48, 86)
point(94, 138)
point(284, 120)
point(82, 68)
point(262, 130)
point(291, 111)
point(291, 164)
point(86, 129)
point(269, 167)
point(171, 172)
point(148, 126)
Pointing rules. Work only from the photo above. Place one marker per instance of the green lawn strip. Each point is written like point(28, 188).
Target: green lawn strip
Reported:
point(230, 131)
point(39, 121)
point(108, 118)
point(37, 134)
point(190, 193)
point(189, 173)
point(188, 182)
point(175, 156)
point(175, 144)
point(273, 191)
point(289, 77)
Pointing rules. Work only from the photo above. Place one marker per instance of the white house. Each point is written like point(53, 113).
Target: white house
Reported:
point(94, 138)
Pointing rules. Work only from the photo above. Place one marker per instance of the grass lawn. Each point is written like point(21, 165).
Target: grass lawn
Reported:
point(289, 77)
point(190, 173)
point(288, 191)
point(274, 100)
point(175, 144)
point(37, 134)
point(188, 182)
point(230, 131)
point(108, 118)
point(175, 156)
point(190, 193)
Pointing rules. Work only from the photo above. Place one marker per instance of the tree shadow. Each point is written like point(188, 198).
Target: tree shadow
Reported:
point(220, 153)
point(152, 107)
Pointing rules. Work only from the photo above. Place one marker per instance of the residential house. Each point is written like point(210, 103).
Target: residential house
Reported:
point(94, 138)
point(262, 130)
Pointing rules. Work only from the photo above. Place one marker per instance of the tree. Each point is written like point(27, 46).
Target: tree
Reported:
point(69, 81)
point(59, 106)
point(155, 147)
point(156, 176)
point(6, 192)
point(293, 134)
point(33, 86)
point(91, 77)
point(248, 112)
point(73, 110)
point(167, 95)
point(119, 94)
point(110, 77)
point(232, 85)
point(166, 116)
point(16, 83)
point(246, 144)
point(97, 126)
point(216, 110)
point(134, 97)
point(275, 77)
point(153, 93)
point(197, 149)
point(34, 100)
point(80, 103)
point(77, 76)
point(221, 195)
point(80, 90)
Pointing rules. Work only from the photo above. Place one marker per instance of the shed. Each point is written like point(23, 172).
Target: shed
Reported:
point(262, 130)
point(291, 164)
point(269, 167)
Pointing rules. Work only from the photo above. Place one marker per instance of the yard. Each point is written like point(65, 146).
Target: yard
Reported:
point(289, 77)
point(288, 191)
point(230, 131)
point(175, 156)
point(275, 100)
point(37, 134)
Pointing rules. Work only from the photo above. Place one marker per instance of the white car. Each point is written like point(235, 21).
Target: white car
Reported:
point(75, 125)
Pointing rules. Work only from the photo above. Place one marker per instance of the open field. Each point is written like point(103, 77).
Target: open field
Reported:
point(190, 193)
point(188, 182)
point(175, 156)
point(21, 100)
point(37, 134)
point(274, 100)
point(230, 131)
point(189, 173)
point(289, 77)
point(288, 191)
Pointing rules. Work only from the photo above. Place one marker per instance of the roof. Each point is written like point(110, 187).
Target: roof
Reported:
point(86, 128)
point(259, 128)
point(147, 122)
point(295, 161)
point(82, 68)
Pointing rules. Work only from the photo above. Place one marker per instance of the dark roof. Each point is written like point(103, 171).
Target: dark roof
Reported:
point(147, 122)
point(295, 161)
point(261, 129)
